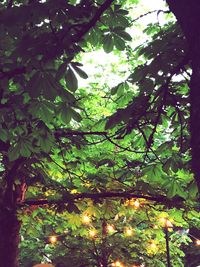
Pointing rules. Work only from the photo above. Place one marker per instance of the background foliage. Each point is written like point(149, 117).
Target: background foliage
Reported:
point(75, 127)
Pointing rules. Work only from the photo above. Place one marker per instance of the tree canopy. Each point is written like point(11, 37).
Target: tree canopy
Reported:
point(99, 133)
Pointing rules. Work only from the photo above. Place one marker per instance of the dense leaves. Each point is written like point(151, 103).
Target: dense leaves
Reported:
point(84, 136)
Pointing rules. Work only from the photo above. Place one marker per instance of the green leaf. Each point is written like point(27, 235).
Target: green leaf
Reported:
point(167, 166)
point(45, 140)
point(74, 220)
point(71, 80)
point(108, 43)
point(49, 87)
point(172, 189)
point(66, 114)
point(145, 187)
point(45, 113)
point(80, 72)
point(68, 97)
point(137, 75)
point(122, 12)
point(35, 213)
point(25, 149)
point(119, 43)
point(42, 110)
point(3, 135)
point(154, 172)
point(122, 21)
point(61, 71)
point(14, 152)
point(124, 35)
point(164, 147)
point(94, 36)
point(193, 190)
point(42, 83)
point(121, 88)
point(34, 86)
point(75, 115)
point(114, 90)
point(175, 189)
point(173, 164)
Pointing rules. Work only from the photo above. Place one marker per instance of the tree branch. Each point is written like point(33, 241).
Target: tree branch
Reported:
point(124, 148)
point(150, 140)
point(148, 147)
point(150, 12)
point(66, 132)
point(10, 3)
point(103, 195)
point(8, 198)
point(93, 21)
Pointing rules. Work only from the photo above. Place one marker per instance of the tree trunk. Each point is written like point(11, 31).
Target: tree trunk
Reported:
point(9, 223)
point(195, 112)
point(9, 238)
point(188, 15)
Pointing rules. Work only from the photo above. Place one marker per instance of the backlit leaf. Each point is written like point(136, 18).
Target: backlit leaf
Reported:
point(71, 80)
point(108, 43)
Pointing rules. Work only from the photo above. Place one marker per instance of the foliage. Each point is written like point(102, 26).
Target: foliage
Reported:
point(72, 144)
point(75, 243)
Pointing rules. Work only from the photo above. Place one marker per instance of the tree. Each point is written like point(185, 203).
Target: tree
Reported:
point(188, 19)
point(49, 132)
point(126, 233)
point(31, 92)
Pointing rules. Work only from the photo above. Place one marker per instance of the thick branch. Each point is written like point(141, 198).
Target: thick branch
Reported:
point(94, 20)
point(95, 196)
point(9, 200)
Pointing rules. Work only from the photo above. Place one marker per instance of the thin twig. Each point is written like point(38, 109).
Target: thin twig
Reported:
point(149, 148)
point(150, 12)
point(124, 148)
point(10, 3)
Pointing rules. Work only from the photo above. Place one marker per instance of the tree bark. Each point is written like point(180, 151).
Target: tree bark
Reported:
point(9, 223)
point(195, 113)
point(9, 238)
point(188, 16)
